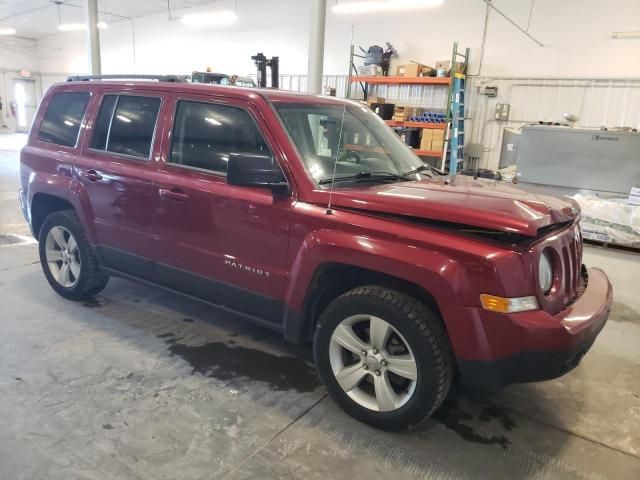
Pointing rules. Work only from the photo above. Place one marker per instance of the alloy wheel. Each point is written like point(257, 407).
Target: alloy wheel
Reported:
point(63, 256)
point(373, 363)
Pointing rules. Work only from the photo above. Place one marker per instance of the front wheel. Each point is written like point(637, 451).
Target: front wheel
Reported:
point(66, 257)
point(384, 357)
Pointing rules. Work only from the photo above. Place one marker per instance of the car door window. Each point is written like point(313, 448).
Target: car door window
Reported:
point(204, 135)
point(126, 125)
point(101, 126)
point(61, 123)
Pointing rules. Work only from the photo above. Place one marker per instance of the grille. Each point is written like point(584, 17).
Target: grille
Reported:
point(572, 264)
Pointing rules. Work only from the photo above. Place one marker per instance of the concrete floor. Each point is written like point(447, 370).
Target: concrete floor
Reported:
point(144, 384)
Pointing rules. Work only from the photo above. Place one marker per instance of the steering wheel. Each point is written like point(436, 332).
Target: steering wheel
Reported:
point(350, 153)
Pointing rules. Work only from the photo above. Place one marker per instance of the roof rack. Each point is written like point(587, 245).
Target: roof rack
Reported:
point(157, 78)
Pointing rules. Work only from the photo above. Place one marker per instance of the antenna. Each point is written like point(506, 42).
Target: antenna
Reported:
point(329, 211)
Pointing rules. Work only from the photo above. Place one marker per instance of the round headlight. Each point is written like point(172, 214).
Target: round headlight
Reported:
point(545, 273)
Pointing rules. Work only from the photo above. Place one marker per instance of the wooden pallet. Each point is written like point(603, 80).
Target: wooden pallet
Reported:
point(613, 246)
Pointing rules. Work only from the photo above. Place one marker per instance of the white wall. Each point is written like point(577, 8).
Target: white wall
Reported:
point(576, 35)
point(14, 56)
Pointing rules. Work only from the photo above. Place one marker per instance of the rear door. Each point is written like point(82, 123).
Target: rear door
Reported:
point(225, 243)
point(116, 169)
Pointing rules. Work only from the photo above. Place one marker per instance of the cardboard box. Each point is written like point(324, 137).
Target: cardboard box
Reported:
point(371, 100)
point(413, 111)
point(370, 70)
point(400, 114)
point(427, 139)
point(427, 71)
point(634, 196)
point(409, 70)
point(438, 140)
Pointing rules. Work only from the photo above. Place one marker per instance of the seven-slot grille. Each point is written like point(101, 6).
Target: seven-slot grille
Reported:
point(571, 255)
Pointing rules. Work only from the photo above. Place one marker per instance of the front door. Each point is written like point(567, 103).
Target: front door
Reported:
point(224, 243)
point(116, 168)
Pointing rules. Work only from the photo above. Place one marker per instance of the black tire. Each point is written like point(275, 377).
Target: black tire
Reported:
point(422, 330)
point(91, 280)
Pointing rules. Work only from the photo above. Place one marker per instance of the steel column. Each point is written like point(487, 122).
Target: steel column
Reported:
point(316, 45)
point(93, 36)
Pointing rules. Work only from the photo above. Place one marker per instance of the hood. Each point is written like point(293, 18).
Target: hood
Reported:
point(462, 200)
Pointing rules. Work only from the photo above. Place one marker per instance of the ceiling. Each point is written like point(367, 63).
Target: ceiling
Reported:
point(39, 18)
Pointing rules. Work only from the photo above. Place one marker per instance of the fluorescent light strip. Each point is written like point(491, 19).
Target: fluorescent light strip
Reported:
point(7, 31)
point(209, 19)
point(384, 6)
point(626, 35)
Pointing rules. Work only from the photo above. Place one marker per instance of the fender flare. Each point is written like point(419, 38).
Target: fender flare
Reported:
point(433, 271)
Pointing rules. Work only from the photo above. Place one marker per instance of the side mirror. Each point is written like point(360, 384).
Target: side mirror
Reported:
point(251, 170)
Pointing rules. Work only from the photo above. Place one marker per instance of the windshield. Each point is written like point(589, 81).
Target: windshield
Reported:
point(366, 149)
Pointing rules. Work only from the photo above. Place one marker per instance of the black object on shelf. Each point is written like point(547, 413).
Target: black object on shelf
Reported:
point(410, 136)
point(384, 110)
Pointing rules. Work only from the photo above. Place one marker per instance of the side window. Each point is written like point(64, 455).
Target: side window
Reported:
point(61, 123)
point(205, 134)
point(103, 122)
point(126, 124)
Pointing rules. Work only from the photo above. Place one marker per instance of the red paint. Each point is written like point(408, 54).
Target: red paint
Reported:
point(195, 221)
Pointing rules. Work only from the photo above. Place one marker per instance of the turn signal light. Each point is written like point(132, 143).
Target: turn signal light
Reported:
point(508, 305)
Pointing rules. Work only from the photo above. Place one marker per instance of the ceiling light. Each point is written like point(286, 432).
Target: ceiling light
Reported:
point(212, 19)
point(626, 35)
point(383, 6)
point(7, 31)
point(77, 27)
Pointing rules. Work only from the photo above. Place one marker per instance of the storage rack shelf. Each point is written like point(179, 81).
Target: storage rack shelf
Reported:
point(452, 155)
point(429, 153)
point(403, 80)
point(434, 126)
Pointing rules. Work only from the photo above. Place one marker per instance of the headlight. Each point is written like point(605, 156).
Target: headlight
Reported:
point(545, 273)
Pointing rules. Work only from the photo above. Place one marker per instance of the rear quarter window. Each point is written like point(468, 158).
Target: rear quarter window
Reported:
point(126, 125)
point(62, 120)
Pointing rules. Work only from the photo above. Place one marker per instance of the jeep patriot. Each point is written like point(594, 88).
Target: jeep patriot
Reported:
point(309, 216)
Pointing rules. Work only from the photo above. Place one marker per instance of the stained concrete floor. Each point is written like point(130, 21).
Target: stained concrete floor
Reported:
point(143, 384)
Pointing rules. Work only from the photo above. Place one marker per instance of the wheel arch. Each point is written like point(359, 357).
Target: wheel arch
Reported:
point(43, 205)
point(332, 279)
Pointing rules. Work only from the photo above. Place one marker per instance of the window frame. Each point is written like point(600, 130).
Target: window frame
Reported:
point(119, 94)
point(82, 122)
point(174, 116)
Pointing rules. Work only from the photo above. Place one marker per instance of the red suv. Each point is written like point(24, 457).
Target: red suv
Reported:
point(309, 216)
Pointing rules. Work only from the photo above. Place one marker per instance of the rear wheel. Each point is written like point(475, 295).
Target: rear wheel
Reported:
point(384, 357)
point(67, 259)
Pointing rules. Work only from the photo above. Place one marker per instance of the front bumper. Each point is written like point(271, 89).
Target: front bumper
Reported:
point(538, 346)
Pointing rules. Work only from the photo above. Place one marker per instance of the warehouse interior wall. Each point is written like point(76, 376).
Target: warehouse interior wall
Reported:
point(576, 35)
point(577, 38)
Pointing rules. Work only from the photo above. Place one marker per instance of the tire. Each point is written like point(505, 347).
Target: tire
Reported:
point(64, 243)
point(417, 388)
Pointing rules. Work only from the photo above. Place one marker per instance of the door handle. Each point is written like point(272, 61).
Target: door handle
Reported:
point(92, 175)
point(174, 194)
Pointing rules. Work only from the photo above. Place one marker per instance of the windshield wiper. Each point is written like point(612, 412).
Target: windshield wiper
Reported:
point(366, 176)
point(422, 168)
